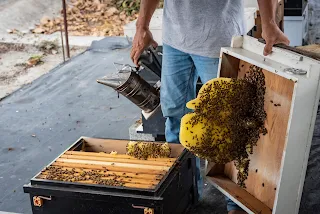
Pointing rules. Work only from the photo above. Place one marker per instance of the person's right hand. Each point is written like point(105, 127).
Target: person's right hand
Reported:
point(141, 41)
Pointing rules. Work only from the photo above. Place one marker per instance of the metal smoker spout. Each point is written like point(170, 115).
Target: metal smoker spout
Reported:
point(128, 83)
point(114, 80)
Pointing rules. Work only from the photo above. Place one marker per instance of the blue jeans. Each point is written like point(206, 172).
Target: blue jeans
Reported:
point(179, 76)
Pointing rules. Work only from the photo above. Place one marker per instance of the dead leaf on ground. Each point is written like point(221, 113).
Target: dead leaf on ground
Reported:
point(38, 30)
point(88, 17)
point(34, 60)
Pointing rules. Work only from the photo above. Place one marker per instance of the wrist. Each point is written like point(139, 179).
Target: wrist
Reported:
point(142, 28)
point(142, 25)
point(269, 23)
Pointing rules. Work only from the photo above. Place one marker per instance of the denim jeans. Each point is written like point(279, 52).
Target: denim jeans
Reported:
point(179, 76)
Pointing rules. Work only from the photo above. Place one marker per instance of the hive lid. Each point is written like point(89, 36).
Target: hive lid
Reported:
point(278, 164)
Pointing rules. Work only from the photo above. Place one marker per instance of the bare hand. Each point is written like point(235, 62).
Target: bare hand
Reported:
point(141, 41)
point(273, 35)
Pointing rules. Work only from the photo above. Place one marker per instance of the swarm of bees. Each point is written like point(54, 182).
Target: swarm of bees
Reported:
point(227, 121)
point(142, 150)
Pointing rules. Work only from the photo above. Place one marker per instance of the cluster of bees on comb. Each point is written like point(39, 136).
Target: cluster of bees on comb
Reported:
point(142, 150)
point(227, 121)
point(95, 176)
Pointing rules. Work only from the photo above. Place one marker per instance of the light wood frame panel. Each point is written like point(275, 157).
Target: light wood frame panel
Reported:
point(299, 97)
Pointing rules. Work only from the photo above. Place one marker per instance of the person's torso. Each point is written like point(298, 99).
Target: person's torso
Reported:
point(202, 26)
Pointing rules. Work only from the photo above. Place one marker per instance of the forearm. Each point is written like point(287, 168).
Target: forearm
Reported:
point(268, 9)
point(147, 8)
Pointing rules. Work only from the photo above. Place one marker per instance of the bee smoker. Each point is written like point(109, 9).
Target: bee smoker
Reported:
point(128, 82)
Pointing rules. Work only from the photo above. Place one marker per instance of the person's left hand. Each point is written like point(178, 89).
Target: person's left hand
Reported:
point(273, 35)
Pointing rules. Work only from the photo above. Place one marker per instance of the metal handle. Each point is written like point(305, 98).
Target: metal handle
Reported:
point(46, 198)
point(138, 207)
point(146, 210)
point(295, 50)
point(38, 200)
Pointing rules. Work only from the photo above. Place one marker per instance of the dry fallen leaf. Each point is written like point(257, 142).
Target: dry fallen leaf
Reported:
point(45, 20)
point(38, 30)
point(89, 17)
point(34, 60)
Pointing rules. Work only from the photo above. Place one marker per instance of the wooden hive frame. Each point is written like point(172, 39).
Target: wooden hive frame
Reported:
point(93, 155)
point(279, 161)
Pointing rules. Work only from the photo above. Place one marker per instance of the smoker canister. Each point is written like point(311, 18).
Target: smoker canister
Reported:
point(133, 87)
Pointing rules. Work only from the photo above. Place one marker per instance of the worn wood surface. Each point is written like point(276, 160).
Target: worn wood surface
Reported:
point(104, 163)
point(120, 156)
point(231, 189)
point(107, 173)
point(265, 163)
point(298, 136)
point(110, 168)
point(229, 67)
point(123, 178)
point(132, 185)
point(118, 160)
point(109, 145)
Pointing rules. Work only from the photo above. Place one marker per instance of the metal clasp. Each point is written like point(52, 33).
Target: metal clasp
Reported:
point(38, 200)
point(124, 68)
point(295, 71)
point(146, 210)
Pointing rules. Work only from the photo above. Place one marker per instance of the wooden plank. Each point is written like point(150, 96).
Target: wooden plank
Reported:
point(299, 138)
point(265, 63)
point(213, 169)
point(109, 145)
point(110, 168)
point(229, 67)
point(104, 172)
point(126, 165)
point(131, 185)
point(114, 177)
point(120, 156)
point(302, 115)
point(240, 196)
point(118, 160)
point(265, 163)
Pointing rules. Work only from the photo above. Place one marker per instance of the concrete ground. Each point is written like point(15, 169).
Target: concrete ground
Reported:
point(17, 48)
point(24, 14)
point(42, 119)
point(13, 72)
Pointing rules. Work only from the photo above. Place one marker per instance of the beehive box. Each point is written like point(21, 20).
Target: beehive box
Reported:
point(278, 164)
point(89, 177)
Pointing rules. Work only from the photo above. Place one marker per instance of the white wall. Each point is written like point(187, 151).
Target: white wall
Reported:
point(251, 3)
point(314, 21)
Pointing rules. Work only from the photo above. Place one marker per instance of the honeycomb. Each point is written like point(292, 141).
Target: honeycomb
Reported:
point(142, 150)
